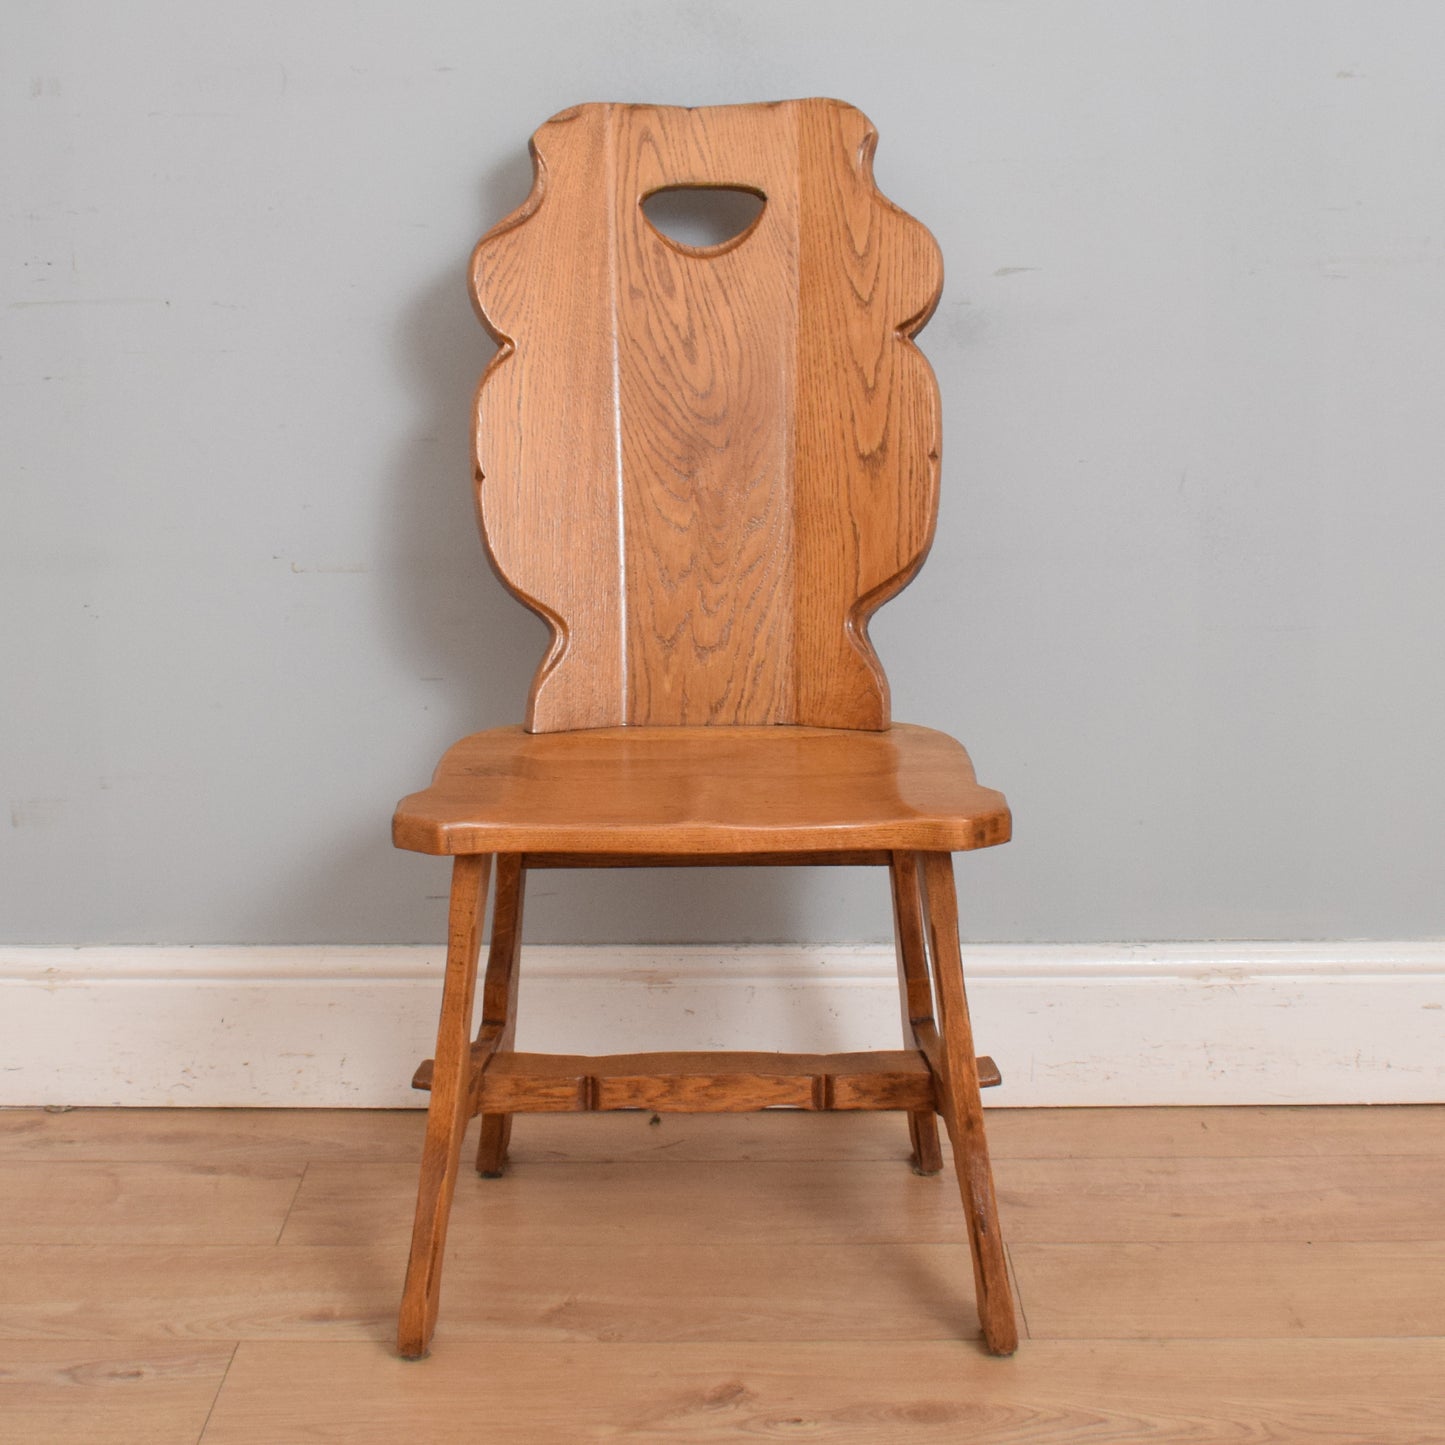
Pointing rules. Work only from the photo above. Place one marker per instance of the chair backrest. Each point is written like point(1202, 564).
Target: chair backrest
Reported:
point(707, 467)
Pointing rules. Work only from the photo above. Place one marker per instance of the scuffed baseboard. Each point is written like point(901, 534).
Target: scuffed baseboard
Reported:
point(1206, 1023)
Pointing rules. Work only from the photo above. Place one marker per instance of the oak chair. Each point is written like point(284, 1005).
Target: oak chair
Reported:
point(705, 467)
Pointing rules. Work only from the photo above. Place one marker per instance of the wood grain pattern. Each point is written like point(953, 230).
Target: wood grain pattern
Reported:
point(779, 1134)
point(735, 1081)
point(108, 1394)
point(736, 1291)
point(742, 440)
point(158, 1203)
point(1287, 1392)
point(702, 1082)
point(915, 993)
point(766, 1299)
point(529, 1291)
point(708, 790)
point(962, 1108)
point(276, 1137)
point(639, 1291)
point(199, 1292)
point(448, 1111)
point(499, 1002)
point(224, 1137)
point(1041, 1201)
point(1240, 1290)
point(1251, 1200)
point(711, 1205)
point(1306, 1131)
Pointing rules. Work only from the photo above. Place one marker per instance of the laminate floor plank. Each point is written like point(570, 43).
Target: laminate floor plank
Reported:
point(1013, 1134)
point(108, 1392)
point(1224, 1132)
point(630, 1290)
point(1394, 1197)
point(175, 1203)
point(783, 1135)
point(1288, 1392)
point(1157, 1200)
point(198, 1292)
point(1183, 1275)
point(231, 1137)
point(1232, 1291)
point(828, 1202)
point(285, 1136)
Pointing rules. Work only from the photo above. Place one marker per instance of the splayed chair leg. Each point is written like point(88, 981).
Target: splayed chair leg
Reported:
point(962, 1108)
point(449, 1111)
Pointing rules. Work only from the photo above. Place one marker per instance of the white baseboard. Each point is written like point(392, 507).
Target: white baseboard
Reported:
point(1211, 1023)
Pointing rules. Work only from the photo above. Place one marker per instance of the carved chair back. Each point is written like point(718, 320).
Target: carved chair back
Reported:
point(706, 467)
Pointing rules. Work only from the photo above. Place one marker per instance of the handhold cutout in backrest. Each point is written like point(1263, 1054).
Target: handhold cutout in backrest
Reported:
point(707, 467)
point(701, 218)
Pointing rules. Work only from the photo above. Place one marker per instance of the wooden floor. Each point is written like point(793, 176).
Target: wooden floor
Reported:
point(1183, 1275)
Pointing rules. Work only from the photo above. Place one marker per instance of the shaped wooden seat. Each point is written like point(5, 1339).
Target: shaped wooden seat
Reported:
point(702, 790)
point(705, 466)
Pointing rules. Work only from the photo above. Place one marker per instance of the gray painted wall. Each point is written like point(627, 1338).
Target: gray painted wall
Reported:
point(1186, 601)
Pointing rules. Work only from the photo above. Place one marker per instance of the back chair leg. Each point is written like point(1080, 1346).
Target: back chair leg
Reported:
point(499, 1000)
point(962, 1109)
point(450, 1109)
point(915, 995)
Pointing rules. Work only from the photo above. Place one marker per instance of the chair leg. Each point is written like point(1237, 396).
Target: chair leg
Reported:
point(499, 999)
point(963, 1109)
point(449, 1111)
point(915, 994)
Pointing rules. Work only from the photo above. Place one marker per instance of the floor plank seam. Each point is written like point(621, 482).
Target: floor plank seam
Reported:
point(1309, 1276)
point(1018, 1292)
point(1295, 1338)
point(295, 1195)
point(999, 1158)
point(221, 1385)
point(1235, 1242)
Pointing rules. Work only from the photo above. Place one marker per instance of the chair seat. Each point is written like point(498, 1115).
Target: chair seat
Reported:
point(700, 790)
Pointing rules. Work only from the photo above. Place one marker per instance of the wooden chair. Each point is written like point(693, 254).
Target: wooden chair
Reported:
point(705, 468)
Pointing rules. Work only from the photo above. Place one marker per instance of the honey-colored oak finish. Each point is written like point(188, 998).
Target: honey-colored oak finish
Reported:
point(678, 791)
point(499, 1002)
point(916, 995)
point(742, 443)
point(449, 1111)
point(692, 1083)
point(706, 468)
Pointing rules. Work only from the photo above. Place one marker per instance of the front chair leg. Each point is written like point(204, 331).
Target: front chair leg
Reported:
point(450, 1109)
point(962, 1110)
point(499, 1000)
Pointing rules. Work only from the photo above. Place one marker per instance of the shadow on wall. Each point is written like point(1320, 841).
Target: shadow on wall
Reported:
point(437, 610)
point(449, 618)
